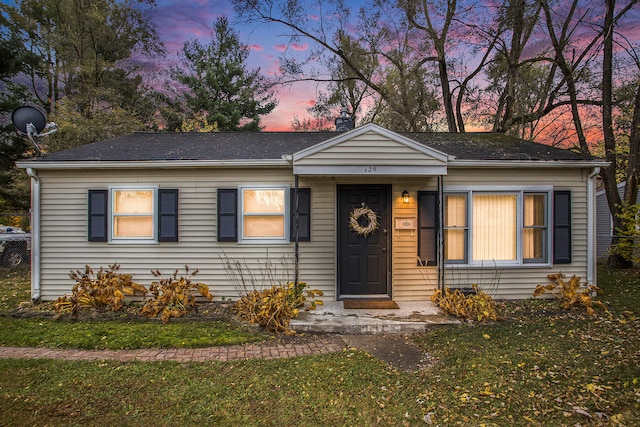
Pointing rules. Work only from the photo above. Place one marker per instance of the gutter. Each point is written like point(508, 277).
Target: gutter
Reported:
point(502, 164)
point(591, 226)
point(35, 234)
point(111, 164)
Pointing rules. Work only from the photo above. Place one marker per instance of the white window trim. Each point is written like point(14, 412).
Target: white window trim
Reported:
point(263, 240)
point(495, 189)
point(133, 240)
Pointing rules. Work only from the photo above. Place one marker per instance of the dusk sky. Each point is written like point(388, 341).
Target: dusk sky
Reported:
point(179, 21)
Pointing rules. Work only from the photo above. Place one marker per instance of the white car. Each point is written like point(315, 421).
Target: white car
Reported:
point(15, 246)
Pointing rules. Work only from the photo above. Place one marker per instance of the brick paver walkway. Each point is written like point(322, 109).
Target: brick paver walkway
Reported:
point(265, 350)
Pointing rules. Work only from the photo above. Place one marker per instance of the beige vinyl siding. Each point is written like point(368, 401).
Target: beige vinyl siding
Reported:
point(64, 244)
point(516, 282)
point(367, 149)
point(411, 282)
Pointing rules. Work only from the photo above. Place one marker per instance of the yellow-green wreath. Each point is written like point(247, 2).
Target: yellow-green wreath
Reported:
point(372, 221)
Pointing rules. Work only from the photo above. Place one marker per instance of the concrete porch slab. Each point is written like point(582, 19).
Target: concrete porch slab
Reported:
point(332, 317)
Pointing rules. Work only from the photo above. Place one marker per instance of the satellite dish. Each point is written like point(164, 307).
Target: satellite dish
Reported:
point(23, 116)
point(31, 121)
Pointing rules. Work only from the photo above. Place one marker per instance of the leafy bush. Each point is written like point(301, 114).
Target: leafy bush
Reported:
point(628, 246)
point(571, 292)
point(173, 296)
point(477, 306)
point(274, 308)
point(106, 288)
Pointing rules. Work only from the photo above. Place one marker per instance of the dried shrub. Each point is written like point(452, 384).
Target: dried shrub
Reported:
point(274, 308)
point(477, 306)
point(571, 292)
point(173, 296)
point(101, 290)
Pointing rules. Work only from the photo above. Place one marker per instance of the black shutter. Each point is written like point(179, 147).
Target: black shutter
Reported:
point(227, 215)
point(304, 214)
point(562, 227)
point(98, 215)
point(428, 227)
point(167, 215)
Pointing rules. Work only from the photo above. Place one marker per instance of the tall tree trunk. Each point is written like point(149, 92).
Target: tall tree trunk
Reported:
point(446, 93)
point(609, 174)
point(633, 168)
point(567, 70)
point(517, 9)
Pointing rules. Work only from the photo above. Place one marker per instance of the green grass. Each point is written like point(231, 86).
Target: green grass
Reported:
point(543, 365)
point(349, 388)
point(15, 288)
point(116, 335)
point(540, 366)
point(105, 334)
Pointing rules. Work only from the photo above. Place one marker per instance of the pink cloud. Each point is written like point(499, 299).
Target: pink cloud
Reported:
point(294, 46)
point(256, 48)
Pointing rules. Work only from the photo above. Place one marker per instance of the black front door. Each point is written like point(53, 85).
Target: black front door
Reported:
point(363, 252)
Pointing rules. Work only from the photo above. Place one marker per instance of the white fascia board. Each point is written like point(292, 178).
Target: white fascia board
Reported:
point(372, 127)
point(501, 164)
point(160, 164)
point(370, 170)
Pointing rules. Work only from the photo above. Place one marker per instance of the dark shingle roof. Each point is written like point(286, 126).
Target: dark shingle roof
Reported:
point(143, 146)
point(491, 146)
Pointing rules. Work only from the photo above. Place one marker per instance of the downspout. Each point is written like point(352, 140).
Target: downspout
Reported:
point(296, 207)
point(35, 234)
point(441, 233)
point(591, 226)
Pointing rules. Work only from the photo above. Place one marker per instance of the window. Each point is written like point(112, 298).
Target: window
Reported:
point(503, 227)
point(494, 227)
point(134, 215)
point(264, 214)
point(534, 228)
point(455, 227)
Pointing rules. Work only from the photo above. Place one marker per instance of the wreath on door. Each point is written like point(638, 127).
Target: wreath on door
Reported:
point(371, 221)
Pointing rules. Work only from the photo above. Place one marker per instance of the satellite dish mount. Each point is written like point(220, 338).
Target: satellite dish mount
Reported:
point(31, 122)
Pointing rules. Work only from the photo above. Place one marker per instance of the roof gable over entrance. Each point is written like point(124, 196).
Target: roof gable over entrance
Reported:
point(370, 150)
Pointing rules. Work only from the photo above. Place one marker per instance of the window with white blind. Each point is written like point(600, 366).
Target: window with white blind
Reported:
point(133, 214)
point(509, 227)
point(494, 227)
point(264, 214)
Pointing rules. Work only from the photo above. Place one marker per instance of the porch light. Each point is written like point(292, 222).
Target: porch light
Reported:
point(405, 197)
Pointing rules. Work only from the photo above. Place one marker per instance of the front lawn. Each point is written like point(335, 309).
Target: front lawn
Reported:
point(540, 366)
point(113, 334)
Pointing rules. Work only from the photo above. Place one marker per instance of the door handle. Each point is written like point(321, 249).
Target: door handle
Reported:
point(384, 250)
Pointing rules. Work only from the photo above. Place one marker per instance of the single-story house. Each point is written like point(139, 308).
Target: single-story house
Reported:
point(604, 221)
point(367, 213)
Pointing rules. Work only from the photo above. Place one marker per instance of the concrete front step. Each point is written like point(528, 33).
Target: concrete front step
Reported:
point(332, 317)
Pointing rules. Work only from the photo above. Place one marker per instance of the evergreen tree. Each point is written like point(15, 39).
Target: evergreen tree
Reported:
point(219, 83)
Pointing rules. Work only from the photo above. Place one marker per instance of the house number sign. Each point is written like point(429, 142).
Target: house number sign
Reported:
point(370, 169)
